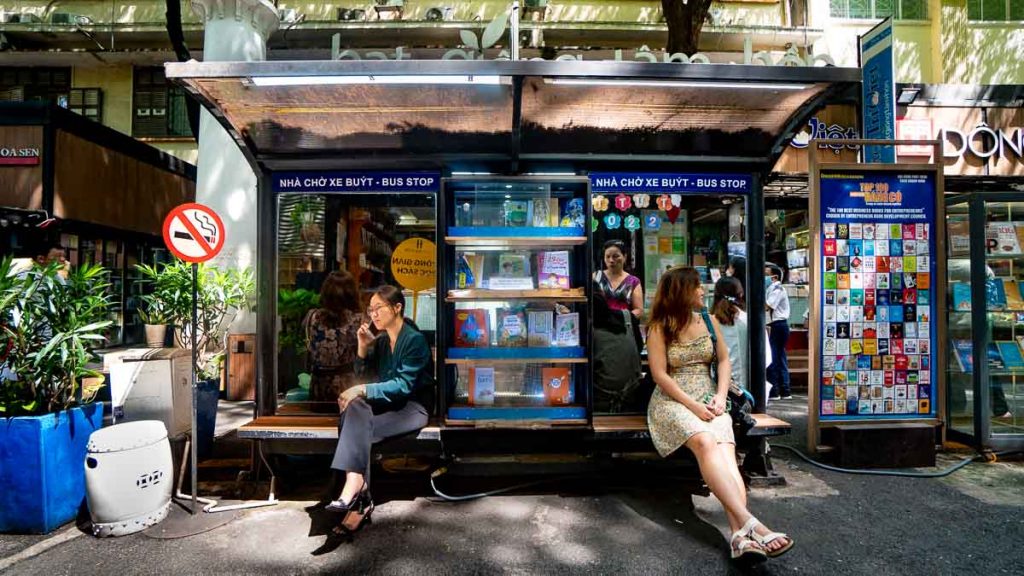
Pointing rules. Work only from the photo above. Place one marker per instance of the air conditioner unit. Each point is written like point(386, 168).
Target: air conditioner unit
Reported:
point(288, 15)
point(350, 14)
point(391, 3)
point(68, 18)
point(439, 13)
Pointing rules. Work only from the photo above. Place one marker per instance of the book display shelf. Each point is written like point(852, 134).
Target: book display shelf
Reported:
point(985, 315)
point(515, 344)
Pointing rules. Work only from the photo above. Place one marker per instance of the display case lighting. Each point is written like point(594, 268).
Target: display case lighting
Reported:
point(484, 80)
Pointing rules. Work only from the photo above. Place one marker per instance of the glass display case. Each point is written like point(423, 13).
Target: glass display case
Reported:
point(985, 313)
point(515, 278)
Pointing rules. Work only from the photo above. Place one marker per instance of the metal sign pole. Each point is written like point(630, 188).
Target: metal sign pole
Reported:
point(195, 386)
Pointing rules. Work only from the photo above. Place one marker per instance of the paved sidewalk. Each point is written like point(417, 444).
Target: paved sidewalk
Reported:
point(843, 524)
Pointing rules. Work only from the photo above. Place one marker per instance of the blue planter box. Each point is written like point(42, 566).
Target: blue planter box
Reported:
point(42, 473)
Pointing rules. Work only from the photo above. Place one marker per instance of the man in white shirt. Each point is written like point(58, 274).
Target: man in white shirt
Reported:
point(777, 310)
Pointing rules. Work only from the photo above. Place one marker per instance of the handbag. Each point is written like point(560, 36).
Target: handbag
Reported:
point(739, 402)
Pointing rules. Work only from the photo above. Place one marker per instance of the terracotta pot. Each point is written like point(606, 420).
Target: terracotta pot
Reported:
point(155, 334)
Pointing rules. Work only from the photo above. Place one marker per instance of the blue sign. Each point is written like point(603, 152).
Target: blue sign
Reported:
point(878, 100)
point(356, 181)
point(878, 308)
point(671, 183)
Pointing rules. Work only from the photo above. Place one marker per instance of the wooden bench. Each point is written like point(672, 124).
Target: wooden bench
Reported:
point(627, 433)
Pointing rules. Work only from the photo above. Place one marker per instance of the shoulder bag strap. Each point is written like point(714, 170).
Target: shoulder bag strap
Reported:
point(714, 345)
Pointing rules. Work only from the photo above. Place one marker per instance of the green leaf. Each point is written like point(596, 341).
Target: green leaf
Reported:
point(494, 30)
point(469, 39)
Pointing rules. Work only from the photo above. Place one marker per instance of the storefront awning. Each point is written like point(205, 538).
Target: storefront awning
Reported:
point(316, 114)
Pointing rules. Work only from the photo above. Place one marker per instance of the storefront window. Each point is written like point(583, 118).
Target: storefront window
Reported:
point(354, 233)
point(959, 361)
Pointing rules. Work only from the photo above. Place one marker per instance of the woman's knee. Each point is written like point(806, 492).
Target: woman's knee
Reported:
point(702, 443)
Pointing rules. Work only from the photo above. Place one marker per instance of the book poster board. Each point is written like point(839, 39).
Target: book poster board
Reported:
point(877, 295)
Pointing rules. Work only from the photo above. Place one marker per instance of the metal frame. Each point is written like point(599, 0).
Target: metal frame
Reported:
point(814, 424)
point(980, 377)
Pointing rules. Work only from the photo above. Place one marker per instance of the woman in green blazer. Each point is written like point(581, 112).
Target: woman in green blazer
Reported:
point(397, 401)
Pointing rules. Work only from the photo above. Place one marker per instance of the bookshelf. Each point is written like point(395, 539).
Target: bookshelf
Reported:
point(514, 345)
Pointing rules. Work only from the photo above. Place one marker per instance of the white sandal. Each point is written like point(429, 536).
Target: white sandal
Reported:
point(767, 539)
point(743, 547)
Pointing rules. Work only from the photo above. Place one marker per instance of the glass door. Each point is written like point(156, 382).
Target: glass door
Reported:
point(960, 352)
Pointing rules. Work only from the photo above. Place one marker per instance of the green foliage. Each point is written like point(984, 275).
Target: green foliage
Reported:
point(221, 294)
point(53, 326)
point(292, 307)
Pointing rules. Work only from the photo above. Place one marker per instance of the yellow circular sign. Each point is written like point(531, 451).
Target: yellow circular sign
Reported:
point(414, 264)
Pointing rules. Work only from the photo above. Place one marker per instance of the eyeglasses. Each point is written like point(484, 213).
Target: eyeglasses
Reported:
point(374, 310)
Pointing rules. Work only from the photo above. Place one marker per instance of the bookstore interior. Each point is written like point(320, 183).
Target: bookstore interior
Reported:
point(985, 318)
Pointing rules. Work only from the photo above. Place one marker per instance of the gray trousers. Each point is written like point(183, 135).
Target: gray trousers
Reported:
point(359, 429)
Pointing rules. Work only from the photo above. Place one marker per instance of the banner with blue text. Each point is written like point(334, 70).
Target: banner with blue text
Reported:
point(711, 183)
point(356, 182)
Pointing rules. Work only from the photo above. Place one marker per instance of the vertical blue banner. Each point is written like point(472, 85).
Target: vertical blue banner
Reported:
point(878, 99)
point(877, 283)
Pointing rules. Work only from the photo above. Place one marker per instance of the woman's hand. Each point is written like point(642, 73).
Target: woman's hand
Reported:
point(702, 411)
point(717, 404)
point(365, 339)
point(346, 397)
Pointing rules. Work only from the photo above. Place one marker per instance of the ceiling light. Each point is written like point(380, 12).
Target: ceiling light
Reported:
point(674, 84)
point(485, 80)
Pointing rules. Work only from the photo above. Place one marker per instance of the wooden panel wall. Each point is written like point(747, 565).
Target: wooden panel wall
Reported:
point(22, 186)
point(104, 186)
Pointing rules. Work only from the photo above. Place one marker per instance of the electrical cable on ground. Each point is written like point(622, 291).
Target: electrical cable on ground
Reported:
point(899, 473)
point(443, 496)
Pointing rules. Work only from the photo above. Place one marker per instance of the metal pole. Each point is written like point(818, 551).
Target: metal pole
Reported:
point(195, 387)
point(514, 32)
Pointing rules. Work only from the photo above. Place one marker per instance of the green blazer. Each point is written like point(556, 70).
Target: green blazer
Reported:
point(403, 375)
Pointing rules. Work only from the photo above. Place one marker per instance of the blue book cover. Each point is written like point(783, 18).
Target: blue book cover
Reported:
point(1010, 352)
point(961, 296)
point(995, 295)
point(964, 358)
point(995, 359)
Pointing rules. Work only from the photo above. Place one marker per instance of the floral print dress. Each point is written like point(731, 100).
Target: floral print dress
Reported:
point(671, 423)
point(331, 341)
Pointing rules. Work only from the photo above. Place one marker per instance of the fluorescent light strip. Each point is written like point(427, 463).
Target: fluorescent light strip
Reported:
point(674, 84)
point(489, 80)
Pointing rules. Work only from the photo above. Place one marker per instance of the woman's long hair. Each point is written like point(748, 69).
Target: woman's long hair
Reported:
point(673, 302)
point(338, 295)
point(728, 300)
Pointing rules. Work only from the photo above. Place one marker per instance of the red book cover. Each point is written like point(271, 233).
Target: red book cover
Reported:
point(902, 364)
point(830, 247)
point(557, 386)
point(471, 330)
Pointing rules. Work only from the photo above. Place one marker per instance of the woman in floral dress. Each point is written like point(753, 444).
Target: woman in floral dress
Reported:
point(331, 338)
point(689, 409)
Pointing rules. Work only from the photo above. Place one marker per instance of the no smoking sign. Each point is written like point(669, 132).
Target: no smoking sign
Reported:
point(194, 233)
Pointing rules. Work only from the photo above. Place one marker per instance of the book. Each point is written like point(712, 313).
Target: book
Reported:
point(995, 359)
point(544, 212)
point(964, 355)
point(1010, 352)
point(515, 212)
point(961, 296)
point(995, 295)
point(1013, 297)
point(540, 328)
point(557, 386)
point(464, 277)
point(471, 328)
point(553, 269)
point(1001, 238)
point(513, 265)
point(567, 329)
point(481, 386)
point(512, 327)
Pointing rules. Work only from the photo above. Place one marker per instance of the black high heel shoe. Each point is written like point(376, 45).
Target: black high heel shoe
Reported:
point(358, 514)
point(357, 501)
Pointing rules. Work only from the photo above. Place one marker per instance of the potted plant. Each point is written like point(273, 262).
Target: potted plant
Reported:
point(153, 314)
point(292, 307)
point(221, 294)
point(303, 217)
point(52, 326)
